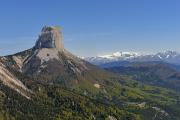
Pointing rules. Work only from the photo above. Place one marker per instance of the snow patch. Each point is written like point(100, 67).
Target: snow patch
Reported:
point(167, 56)
point(159, 56)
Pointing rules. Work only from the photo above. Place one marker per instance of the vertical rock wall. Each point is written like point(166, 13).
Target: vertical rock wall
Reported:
point(50, 37)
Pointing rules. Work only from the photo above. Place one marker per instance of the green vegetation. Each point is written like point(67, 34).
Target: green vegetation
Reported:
point(119, 98)
point(55, 103)
point(156, 74)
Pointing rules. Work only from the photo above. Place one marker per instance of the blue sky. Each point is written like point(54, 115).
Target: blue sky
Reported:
point(92, 27)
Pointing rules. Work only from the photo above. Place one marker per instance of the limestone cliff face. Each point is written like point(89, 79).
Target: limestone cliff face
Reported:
point(50, 37)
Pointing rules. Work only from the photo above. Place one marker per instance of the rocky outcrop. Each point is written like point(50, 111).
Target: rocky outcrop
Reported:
point(8, 79)
point(50, 37)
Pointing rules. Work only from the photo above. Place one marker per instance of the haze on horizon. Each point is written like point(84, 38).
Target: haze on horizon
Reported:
point(93, 27)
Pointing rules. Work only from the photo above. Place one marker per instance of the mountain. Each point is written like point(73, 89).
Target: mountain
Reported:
point(47, 82)
point(117, 56)
point(167, 56)
point(50, 63)
point(171, 57)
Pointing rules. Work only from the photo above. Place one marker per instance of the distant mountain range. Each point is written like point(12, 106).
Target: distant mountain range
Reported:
point(171, 57)
point(161, 69)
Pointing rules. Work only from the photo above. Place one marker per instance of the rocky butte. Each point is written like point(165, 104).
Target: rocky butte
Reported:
point(50, 37)
point(49, 60)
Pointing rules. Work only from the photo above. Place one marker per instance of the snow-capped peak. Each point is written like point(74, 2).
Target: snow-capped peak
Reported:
point(124, 55)
point(116, 56)
point(167, 56)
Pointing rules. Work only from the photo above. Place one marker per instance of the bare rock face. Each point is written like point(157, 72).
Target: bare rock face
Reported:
point(50, 37)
